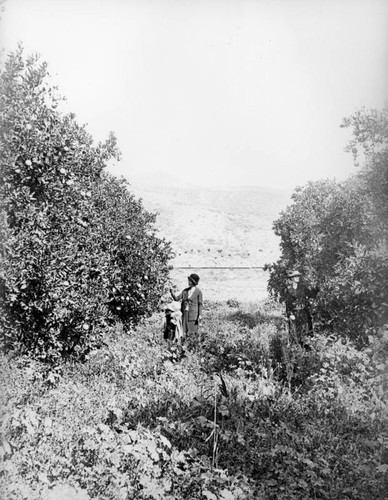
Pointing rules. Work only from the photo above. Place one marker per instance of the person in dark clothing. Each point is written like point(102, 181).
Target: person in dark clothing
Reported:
point(191, 307)
point(297, 303)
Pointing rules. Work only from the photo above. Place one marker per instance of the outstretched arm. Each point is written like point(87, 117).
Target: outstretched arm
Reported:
point(175, 297)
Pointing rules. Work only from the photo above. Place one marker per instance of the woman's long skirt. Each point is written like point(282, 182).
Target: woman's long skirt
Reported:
point(189, 326)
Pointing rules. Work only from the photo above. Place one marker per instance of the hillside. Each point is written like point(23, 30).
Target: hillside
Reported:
point(214, 226)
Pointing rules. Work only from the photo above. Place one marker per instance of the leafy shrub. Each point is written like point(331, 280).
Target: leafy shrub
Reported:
point(369, 144)
point(330, 234)
point(336, 234)
point(78, 249)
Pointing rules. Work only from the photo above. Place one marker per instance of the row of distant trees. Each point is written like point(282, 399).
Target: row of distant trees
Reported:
point(78, 251)
point(335, 233)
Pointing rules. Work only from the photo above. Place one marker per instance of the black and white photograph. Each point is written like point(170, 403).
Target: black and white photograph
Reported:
point(194, 249)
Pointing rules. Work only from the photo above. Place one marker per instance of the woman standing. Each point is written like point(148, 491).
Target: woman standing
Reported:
point(191, 306)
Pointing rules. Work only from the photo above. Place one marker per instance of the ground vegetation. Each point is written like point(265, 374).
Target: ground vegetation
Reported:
point(240, 415)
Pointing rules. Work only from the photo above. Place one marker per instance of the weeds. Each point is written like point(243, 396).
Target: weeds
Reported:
point(239, 414)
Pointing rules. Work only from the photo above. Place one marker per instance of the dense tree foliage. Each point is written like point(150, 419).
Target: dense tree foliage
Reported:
point(335, 233)
point(78, 249)
point(369, 145)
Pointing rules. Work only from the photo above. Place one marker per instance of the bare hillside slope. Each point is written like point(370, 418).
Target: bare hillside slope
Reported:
point(215, 227)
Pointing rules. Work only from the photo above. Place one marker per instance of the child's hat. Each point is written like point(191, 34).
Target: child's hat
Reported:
point(173, 306)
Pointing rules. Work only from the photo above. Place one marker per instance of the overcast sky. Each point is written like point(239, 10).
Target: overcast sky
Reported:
point(214, 92)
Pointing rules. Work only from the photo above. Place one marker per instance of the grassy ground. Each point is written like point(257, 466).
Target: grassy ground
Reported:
point(236, 414)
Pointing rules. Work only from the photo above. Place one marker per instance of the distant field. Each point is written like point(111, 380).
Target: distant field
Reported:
point(208, 227)
point(246, 285)
point(217, 227)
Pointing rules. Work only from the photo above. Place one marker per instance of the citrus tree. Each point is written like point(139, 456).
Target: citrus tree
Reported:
point(369, 146)
point(335, 233)
point(77, 250)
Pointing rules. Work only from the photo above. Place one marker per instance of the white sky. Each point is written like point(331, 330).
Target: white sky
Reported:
point(214, 92)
